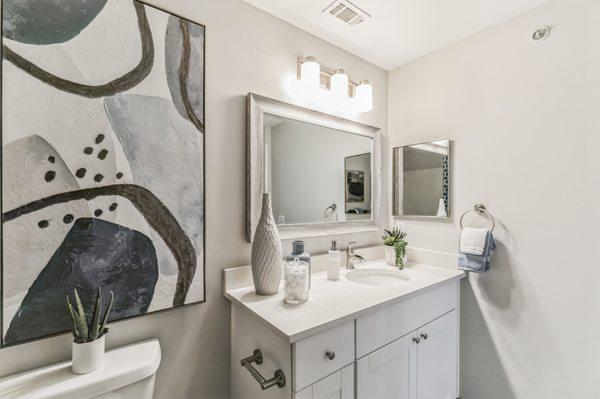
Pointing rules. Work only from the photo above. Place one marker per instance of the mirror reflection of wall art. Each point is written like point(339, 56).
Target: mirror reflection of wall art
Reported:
point(102, 160)
point(355, 186)
point(422, 180)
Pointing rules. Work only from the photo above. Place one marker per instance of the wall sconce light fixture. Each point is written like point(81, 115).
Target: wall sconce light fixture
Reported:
point(339, 84)
point(336, 84)
point(310, 73)
point(364, 95)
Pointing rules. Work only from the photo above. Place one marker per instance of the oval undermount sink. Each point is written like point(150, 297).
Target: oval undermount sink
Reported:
point(378, 276)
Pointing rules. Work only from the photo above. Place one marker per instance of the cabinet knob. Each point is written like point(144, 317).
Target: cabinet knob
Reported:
point(424, 335)
point(416, 340)
point(330, 355)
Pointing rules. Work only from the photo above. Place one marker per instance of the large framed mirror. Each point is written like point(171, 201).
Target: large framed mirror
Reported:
point(323, 172)
point(421, 180)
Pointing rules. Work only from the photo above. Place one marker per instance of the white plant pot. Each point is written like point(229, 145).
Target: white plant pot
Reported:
point(390, 256)
point(88, 357)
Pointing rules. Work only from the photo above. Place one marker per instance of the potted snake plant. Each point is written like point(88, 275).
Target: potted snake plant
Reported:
point(395, 247)
point(88, 342)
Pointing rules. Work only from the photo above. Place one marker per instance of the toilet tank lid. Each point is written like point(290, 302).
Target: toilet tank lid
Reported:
point(122, 367)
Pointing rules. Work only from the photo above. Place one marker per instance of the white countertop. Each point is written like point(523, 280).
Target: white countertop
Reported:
point(332, 303)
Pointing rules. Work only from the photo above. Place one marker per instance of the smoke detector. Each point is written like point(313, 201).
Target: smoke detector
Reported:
point(347, 12)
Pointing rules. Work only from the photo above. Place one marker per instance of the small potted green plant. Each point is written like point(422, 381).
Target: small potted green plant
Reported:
point(88, 342)
point(395, 247)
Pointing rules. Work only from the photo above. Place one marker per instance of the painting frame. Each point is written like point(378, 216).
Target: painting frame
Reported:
point(202, 141)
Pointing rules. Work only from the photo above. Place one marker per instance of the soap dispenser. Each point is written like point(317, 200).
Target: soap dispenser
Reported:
point(333, 262)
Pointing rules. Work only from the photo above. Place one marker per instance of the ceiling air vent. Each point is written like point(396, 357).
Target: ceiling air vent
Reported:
point(347, 12)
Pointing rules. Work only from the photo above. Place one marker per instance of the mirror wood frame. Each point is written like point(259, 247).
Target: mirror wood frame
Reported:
point(257, 107)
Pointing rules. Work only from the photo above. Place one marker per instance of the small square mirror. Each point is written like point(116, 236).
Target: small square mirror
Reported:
point(422, 180)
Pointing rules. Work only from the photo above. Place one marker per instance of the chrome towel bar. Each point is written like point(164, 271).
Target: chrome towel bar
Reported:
point(278, 379)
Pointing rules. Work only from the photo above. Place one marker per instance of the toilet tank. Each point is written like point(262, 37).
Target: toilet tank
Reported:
point(127, 373)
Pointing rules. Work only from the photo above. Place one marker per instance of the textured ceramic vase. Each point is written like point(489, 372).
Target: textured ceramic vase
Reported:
point(267, 258)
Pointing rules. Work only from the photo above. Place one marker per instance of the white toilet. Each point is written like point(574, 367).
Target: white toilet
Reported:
point(127, 373)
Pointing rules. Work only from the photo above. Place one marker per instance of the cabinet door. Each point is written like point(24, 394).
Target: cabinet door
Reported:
point(390, 372)
point(379, 328)
point(438, 357)
point(339, 385)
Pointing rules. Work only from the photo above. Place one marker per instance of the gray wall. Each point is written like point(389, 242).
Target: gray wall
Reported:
point(422, 191)
point(525, 123)
point(246, 50)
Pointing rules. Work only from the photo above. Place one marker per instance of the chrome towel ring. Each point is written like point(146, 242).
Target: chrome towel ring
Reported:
point(479, 209)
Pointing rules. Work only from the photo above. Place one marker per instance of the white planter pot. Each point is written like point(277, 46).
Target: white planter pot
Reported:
point(390, 256)
point(88, 357)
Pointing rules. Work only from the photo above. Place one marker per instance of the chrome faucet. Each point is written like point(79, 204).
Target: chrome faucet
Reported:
point(351, 256)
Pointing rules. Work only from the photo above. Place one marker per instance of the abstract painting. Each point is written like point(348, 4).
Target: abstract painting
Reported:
point(102, 160)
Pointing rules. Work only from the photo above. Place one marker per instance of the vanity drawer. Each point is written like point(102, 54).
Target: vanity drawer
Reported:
point(383, 326)
point(310, 356)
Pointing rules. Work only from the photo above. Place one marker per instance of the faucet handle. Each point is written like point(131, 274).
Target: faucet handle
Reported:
point(350, 248)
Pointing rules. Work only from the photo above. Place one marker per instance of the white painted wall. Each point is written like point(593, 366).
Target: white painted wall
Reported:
point(307, 171)
point(247, 51)
point(525, 121)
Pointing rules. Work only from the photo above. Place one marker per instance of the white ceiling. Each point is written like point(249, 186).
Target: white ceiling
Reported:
point(398, 31)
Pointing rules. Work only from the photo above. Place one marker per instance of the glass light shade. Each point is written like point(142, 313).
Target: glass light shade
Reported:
point(339, 84)
point(310, 73)
point(364, 96)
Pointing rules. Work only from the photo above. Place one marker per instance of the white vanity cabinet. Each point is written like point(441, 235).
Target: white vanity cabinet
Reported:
point(401, 349)
point(389, 372)
point(420, 365)
point(322, 354)
point(339, 385)
point(437, 358)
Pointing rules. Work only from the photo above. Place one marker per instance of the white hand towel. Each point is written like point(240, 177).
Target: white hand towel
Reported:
point(472, 241)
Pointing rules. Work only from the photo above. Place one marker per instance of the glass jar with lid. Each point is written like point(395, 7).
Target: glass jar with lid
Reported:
point(299, 251)
point(296, 278)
